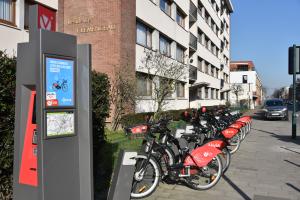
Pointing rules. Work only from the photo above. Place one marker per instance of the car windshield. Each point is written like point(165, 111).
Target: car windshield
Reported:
point(274, 103)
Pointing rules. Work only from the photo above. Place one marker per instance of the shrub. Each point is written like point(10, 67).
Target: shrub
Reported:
point(100, 101)
point(7, 116)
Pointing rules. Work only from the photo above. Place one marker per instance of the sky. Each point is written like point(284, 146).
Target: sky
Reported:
point(262, 31)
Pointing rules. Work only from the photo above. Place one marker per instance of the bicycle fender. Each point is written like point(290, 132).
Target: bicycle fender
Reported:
point(201, 156)
point(229, 132)
point(220, 144)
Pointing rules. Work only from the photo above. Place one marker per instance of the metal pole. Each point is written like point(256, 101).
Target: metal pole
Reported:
point(294, 95)
point(249, 96)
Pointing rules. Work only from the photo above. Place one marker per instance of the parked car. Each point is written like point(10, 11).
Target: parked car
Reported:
point(275, 109)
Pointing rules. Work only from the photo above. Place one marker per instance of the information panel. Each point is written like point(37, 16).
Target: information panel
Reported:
point(60, 124)
point(59, 82)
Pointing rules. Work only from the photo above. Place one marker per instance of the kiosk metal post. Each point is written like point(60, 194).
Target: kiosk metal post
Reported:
point(53, 139)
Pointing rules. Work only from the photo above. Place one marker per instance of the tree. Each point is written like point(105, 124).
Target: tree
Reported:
point(237, 89)
point(122, 94)
point(164, 73)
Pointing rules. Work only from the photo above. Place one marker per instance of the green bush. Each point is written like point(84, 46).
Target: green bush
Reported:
point(100, 101)
point(7, 116)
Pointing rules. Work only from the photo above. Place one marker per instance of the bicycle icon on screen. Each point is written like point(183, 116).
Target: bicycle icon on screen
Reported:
point(60, 85)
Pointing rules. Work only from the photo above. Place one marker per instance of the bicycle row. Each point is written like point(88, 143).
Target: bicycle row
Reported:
point(197, 156)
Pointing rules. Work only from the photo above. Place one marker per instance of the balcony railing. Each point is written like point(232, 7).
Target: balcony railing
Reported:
point(193, 42)
point(192, 73)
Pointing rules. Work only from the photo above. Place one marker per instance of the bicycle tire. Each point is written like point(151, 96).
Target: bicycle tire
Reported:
point(155, 183)
point(211, 184)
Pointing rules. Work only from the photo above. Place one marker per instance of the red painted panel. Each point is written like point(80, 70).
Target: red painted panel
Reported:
point(46, 18)
point(220, 144)
point(28, 170)
point(201, 156)
point(236, 125)
point(229, 132)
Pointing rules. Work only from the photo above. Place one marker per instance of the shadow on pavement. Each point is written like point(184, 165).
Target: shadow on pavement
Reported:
point(290, 150)
point(236, 188)
point(284, 138)
point(292, 186)
point(292, 163)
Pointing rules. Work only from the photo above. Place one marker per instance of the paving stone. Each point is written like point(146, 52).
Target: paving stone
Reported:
point(260, 197)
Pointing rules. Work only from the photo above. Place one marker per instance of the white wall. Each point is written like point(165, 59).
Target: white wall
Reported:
point(237, 77)
point(248, 88)
point(10, 37)
point(151, 13)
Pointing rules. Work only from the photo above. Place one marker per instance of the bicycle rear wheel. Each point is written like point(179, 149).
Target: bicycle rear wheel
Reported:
point(206, 177)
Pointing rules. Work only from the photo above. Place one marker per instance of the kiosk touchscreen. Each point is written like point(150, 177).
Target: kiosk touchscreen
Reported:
point(59, 82)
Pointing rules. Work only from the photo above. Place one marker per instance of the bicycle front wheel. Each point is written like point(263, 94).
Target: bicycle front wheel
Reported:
point(146, 177)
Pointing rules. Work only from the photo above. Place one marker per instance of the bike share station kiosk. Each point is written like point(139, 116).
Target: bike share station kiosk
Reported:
point(53, 145)
point(53, 135)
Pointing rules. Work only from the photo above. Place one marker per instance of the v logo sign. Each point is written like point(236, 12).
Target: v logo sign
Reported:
point(45, 22)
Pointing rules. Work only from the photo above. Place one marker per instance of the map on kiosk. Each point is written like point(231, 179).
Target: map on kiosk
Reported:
point(60, 124)
point(59, 82)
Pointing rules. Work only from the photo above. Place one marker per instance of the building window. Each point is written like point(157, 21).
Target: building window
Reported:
point(143, 35)
point(245, 78)
point(217, 94)
point(206, 42)
point(212, 71)
point(200, 93)
point(242, 68)
point(200, 36)
point(165, 87)
point(180, 54)
point(164, 46)
point(180, 89)
point(7, 12)
point(217, 73)
point(200, 61)
point(180, 18)
point(212, 93)
point(200, 8)
point(144, 85)
point(165, 5)
point(206, 67)
point(222, 95)
point(206, 93)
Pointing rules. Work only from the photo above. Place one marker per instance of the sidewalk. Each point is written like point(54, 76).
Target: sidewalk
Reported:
point(267, 167)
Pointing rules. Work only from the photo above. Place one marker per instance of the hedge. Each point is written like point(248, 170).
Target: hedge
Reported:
point(137, 118)
point(7, 116)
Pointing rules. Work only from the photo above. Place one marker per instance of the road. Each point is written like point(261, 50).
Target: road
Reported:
point(267, 167)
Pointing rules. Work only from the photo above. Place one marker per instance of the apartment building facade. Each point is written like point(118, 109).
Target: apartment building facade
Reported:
point(244, 74)
point(195, 33)
point(209, 52)
point(14, 22)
